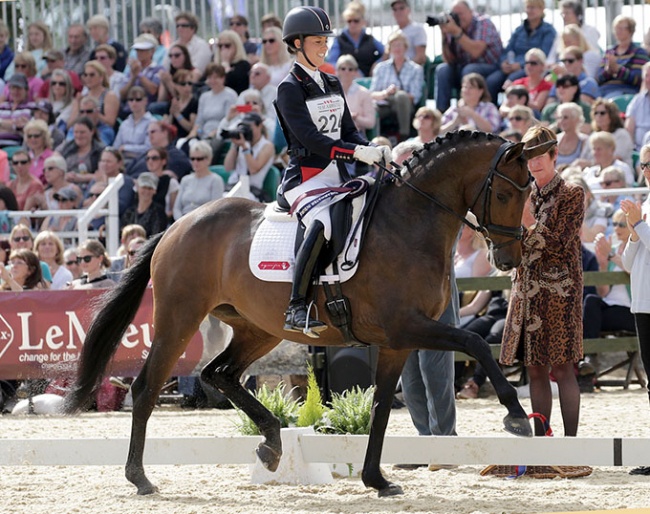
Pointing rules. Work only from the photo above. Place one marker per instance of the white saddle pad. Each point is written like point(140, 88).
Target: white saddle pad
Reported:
point(272, 255)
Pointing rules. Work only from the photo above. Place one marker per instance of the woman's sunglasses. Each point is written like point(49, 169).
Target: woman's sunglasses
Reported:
point(85, 258)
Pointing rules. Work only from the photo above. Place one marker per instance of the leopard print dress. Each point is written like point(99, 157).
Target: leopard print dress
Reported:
point(544, 321)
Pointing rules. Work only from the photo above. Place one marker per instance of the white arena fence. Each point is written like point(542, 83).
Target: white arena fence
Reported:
point(307, 456)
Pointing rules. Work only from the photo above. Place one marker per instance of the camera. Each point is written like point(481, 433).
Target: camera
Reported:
point(442, 19)
point(243, 129)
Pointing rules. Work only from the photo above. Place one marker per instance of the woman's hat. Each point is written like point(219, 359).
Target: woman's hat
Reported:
point(148, 179)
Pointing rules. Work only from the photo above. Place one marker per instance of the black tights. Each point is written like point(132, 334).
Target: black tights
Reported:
point(542, 399)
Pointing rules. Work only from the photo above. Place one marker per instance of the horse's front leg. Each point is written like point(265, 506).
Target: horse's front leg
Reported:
point(389, 367)
point(424, 333)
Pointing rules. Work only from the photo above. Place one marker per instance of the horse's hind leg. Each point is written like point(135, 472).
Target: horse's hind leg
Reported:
point(167, 347)
point(224, 372)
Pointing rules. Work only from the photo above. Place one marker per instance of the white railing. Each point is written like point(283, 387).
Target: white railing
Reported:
point(109, 197)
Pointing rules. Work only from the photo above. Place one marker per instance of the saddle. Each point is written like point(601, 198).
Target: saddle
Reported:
point(274, 246)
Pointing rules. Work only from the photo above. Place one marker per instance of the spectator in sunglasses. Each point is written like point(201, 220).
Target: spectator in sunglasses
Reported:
point(187, 25)
point(568, 90)
point(21, 238)
point(99, 27)
point(25, 64)
point(25, 186)
point(38, 141)
point(131, 138)
point(606, 117)
point(534, 80)
point(179, 60)
point(571, 63)
point(93, 261)
point(71, 264)
point(134, 246)
point(231, 55)
point(427, 122)
point(143, 71)
point(89, 107)
point(260, 80)
point(362, 108)
point(55, 60)
point(515, 95)
point(107, 55)
point(61, 95)
point(239, 24)
point(354, 40)
point(275, 54)
point(96, 81)
point(184, 105)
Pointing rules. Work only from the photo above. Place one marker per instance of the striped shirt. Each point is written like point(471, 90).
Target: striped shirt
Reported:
point(486, 110)
point(630, 64)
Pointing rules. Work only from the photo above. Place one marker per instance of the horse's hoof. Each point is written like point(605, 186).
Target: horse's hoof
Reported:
point(517, 426)
point(390, 490)
point(269, 457)
point(147, 489)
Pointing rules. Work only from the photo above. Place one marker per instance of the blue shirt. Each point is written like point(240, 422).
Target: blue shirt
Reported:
point(523, 40)
point(409, 79)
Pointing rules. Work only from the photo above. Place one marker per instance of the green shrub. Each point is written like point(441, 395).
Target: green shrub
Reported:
point(350, 413)
point(310, 413)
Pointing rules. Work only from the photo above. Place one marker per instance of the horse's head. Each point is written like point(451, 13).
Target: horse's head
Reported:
point(500, 202)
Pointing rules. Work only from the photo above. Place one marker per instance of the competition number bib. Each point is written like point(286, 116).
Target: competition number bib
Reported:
point(327, 112)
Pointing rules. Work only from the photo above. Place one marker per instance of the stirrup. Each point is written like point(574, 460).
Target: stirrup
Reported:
point(311, 328)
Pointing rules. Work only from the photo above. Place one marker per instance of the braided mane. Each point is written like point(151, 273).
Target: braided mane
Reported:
point(441, 146)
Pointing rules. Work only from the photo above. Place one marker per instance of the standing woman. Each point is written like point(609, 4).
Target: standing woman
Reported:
point(232, 56)
point(544, 322)
point(636, 260)
point(318, 153)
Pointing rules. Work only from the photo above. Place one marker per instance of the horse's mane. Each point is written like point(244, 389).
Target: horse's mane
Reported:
point(441, 146)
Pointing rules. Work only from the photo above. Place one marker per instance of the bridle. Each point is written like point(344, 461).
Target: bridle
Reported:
point(485, 227)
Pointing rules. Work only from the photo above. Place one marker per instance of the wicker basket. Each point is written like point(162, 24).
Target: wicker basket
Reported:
point(538, 471)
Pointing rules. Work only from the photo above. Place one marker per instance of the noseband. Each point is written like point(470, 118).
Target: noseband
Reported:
point(485, 227)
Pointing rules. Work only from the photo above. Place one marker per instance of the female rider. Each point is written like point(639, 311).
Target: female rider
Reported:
point(322, 137)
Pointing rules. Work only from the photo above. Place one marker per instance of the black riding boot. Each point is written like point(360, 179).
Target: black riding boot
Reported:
point(296, 319)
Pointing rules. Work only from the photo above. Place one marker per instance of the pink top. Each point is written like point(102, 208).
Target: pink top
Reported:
point(36, 168)
point(34, 187)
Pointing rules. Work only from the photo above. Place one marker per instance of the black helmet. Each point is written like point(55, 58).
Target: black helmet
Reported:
point(305, 21)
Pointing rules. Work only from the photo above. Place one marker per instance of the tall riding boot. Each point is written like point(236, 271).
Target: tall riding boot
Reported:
point(296, 319)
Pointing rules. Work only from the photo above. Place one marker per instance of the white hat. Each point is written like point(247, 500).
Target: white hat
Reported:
point(145, 42)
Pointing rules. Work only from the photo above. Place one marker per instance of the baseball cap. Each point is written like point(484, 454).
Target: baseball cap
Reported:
point(45, 106)
point(54, 55)
point(145, 42)
point(148, 179)
point(405, 2)
point(18, 80)
point(65, 193)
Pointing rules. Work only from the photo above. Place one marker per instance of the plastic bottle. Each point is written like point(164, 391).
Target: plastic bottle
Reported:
point(83, 169)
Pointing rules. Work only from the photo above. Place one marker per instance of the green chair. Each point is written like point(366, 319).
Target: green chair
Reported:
point(11, 150)
point(271, 182)
point(220, 170)
point(622, 101)
point(364, 81)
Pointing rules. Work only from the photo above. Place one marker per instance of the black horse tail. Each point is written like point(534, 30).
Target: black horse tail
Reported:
point(118, 308)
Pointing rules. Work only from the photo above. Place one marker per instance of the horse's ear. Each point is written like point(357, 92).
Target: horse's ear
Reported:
point(540, 149)
point(513, 152)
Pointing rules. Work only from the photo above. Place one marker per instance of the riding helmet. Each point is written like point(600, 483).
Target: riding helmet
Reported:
point(305, 21)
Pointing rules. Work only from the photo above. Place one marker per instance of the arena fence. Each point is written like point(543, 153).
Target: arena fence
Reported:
point(306, 454)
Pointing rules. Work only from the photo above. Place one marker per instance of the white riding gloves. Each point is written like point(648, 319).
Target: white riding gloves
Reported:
point(387, 153)
point(369, 154)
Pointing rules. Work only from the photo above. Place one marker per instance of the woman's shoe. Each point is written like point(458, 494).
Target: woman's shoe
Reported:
point(641, 470)
point(469, 391)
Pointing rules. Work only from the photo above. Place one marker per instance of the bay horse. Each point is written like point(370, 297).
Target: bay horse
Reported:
point(199, 266)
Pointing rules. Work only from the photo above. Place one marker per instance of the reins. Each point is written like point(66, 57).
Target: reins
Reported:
point(514, 233)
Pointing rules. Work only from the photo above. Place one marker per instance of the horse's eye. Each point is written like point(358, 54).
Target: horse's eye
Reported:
point(501, 197)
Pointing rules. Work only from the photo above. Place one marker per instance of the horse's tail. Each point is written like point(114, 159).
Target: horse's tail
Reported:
point(119, 306)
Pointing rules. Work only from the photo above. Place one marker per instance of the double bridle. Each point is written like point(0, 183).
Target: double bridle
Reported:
point(485, 227)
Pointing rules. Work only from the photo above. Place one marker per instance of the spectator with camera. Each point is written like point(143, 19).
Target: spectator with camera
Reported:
point(470, 44)
point(250, 153)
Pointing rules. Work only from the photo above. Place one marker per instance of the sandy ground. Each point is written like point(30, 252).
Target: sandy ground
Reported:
point(227, 488)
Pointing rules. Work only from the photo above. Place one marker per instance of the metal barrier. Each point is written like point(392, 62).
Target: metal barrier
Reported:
point(84, 216)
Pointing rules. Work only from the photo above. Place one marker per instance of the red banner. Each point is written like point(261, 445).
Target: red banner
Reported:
point(42, 333)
